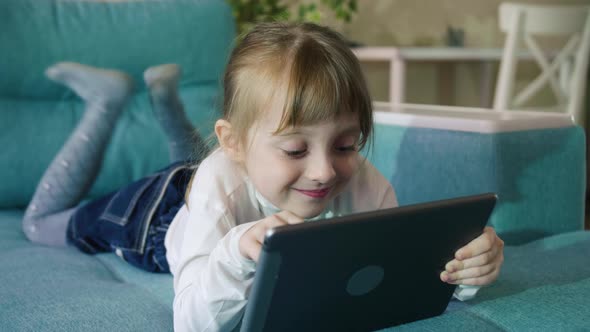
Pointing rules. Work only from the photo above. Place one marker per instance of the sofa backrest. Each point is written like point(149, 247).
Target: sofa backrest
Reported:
point(37, 115)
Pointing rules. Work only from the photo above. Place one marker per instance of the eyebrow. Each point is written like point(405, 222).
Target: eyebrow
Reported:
point(349, 130)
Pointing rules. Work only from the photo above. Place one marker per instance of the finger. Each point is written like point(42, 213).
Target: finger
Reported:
point(258, 231)
point(478, 281)
point(478, 246)
point(255, 252)
point(473, 272)
point(265, 225)
point(252, 248)
point(479, 260)
point(289, 217)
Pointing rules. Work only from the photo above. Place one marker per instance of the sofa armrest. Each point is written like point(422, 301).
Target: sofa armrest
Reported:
point(535, 162)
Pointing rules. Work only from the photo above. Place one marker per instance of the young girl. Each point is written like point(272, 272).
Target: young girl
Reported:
point(296, 113)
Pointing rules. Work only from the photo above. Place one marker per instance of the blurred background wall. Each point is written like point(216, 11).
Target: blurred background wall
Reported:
point(424, 23)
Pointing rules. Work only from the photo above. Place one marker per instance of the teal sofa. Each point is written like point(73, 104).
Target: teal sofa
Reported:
point(535, 163)
point(545, 282)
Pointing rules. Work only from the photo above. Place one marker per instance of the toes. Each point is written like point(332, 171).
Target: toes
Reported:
point(167, 74)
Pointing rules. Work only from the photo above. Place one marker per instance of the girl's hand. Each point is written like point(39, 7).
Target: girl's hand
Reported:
point(251, 241)
point(477, 263)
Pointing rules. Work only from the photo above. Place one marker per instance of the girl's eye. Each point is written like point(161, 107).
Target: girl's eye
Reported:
point(346, 148)
point(348, 143)
point(295, 153)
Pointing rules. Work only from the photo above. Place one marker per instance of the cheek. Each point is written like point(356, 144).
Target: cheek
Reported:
point(346, 167)
point(271, 172)
point(285, 171)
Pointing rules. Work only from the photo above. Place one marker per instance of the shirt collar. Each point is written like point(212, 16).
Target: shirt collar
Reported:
point(265, 206)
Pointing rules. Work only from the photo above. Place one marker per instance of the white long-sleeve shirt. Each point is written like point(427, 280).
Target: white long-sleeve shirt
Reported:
point(211, 277)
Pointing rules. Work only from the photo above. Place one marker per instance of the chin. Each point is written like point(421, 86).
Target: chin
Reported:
point(310, 213)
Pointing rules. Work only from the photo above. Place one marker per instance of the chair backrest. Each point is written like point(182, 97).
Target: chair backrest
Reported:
point(564, 69)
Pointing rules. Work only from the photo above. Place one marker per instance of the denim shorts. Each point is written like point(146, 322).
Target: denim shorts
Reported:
point(133, 220)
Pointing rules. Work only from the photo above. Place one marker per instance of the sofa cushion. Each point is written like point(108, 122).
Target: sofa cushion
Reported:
point(61, 289)
point(127, 34)
point(33, 132)
point(547, 308)
point(544, 284)
point(37, 115)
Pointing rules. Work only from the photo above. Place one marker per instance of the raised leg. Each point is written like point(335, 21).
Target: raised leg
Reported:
point(184, 141)
point(75, 167)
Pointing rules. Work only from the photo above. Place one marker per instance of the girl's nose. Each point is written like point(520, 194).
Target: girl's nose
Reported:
point(321, 169)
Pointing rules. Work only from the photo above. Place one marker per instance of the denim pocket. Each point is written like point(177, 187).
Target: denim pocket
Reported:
point(123, 203)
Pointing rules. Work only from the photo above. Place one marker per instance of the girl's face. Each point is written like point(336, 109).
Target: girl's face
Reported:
point(302, 169)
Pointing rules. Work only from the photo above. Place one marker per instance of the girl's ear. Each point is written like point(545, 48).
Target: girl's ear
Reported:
point(227, 140)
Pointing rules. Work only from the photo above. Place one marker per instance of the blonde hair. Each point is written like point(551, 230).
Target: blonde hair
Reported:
point(311, 65)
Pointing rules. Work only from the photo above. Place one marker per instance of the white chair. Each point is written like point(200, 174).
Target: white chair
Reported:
point(565, 70)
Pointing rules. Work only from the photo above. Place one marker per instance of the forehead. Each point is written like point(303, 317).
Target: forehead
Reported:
point(270, 122)
point(284, 106)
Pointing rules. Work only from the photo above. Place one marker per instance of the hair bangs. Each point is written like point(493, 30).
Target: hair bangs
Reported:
point(322, 86)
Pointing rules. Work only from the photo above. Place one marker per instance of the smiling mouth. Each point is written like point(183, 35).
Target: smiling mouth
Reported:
point(318, 193)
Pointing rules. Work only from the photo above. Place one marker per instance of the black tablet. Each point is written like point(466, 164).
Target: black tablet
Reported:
point(362, 272)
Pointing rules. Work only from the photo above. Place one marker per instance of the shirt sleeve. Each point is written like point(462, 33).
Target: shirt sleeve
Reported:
point(380, 186)
point(211, 283)
point(466, 292)
point(211, 276)
point(389, 198)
